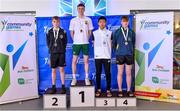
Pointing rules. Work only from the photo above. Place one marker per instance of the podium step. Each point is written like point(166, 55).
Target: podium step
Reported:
point(114, 94)
point(58, 91)
point(82, 83)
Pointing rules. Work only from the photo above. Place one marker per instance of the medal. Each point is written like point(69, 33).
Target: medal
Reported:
point(125, 36)
point(55, 44)
point(56, 37)
point(126, 43)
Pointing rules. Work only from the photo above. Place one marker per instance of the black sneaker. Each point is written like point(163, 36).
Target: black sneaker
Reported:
point(63, 90)
point(120, 94)
point(130, 94)
point(53, 91)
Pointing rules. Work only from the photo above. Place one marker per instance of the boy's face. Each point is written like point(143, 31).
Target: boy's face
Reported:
point(81, 10)
point(124, 23)
point(55, 23)
point(102, 24)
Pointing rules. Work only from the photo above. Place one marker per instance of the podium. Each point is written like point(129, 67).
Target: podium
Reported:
point(115, 101)
point(82, 95)
point(104, 101)
point(54, 101)
point(126, 101)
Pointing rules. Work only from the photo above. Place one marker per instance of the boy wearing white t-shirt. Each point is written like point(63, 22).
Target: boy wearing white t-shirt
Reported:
point(80, 28)
point(102, 39)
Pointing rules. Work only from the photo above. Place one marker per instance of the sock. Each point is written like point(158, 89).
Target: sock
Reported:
point(74, 76)
point(87, 76)
point(63, 86)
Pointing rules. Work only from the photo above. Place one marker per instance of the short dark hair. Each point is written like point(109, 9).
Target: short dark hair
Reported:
point(55, 18)
point(102, 18)
point(125, 18)
point(81, 5)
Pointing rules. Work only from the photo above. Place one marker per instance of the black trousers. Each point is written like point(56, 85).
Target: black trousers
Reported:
point(106, 63)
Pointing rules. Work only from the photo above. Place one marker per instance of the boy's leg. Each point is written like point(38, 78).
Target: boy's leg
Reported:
point(120, 64)
point(120, 76)
point(62, 74)
point(76, 50)
point(85, 50)
point(98, 65)
point(53, 63)
point(62, 64)
point(107, 68)
point(74, 62)
point(129, 62)
point(53, 58)
point(128, 76)
point(86, 65)
point(53, 76)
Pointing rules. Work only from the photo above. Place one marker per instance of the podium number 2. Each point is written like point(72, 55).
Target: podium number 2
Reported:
point(125, 102)
point(82, 96)
point(55, 101)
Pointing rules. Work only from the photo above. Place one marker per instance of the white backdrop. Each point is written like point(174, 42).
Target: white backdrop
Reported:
point(17, 42)
point(154, 53)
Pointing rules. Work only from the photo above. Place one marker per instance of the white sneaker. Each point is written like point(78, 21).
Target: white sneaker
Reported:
point(73, 82)
point(87, 82)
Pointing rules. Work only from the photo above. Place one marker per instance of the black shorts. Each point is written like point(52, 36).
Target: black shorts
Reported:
point(57, 60)
point(129, 60)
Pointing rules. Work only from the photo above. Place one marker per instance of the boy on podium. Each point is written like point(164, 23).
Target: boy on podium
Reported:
point(80, 29)
point(56, 41)
point(124, 44)
point(102, 39)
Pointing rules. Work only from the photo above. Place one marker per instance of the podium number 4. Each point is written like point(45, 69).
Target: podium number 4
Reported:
point(82, 96)
point(125, 102)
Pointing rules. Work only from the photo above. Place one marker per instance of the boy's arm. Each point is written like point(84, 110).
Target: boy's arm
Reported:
point(90, 28)
point(48, 39)
point(93, 39)
point(111, 38)
point(72, 34)
point(71, 28)
point(89, 33)
point(114, 40)
point(134, 39)
point(65, 34)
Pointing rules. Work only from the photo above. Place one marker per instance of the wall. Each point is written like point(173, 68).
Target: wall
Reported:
point(115, 7)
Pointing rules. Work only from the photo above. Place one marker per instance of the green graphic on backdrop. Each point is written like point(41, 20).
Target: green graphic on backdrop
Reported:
point(140, 59)
point(5, 81)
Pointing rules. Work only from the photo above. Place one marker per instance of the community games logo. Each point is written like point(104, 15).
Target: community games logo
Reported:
point(152, 24)
point(13, 26)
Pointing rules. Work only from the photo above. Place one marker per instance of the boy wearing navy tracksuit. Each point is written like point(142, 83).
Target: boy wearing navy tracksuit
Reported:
point(56, 39)
point(123, 44)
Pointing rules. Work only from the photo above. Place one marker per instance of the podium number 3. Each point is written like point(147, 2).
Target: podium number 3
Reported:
point(105, 102)
point(55, 101)
point(82, 96)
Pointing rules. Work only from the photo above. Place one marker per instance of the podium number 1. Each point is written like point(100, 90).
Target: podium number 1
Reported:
point(82, 96)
